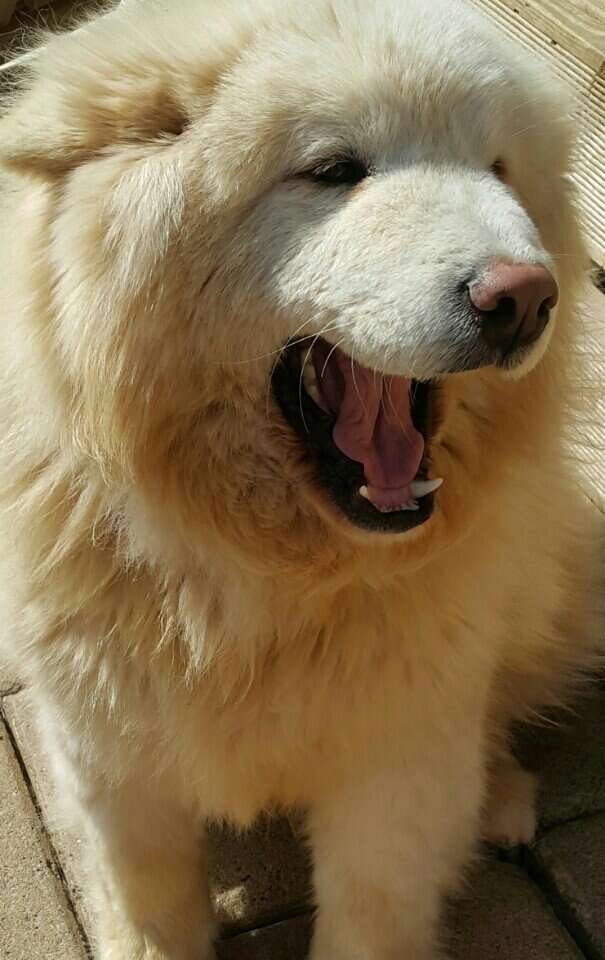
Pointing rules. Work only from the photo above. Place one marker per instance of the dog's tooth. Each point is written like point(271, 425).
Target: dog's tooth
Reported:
point(410, 505)
point(420, 488)
point(313, 392)
point(310, 382)
point(309, 374)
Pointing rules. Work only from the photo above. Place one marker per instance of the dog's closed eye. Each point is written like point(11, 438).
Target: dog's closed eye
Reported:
point(344, 172)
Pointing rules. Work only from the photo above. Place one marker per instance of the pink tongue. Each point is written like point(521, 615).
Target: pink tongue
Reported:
point(373, 423)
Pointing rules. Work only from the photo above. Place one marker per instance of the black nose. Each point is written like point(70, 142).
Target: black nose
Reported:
point(513, 301)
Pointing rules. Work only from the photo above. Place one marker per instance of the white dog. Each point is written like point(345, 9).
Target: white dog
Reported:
point(290, 346)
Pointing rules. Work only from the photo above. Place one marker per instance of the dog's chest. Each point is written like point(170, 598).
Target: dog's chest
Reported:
point(308, 713)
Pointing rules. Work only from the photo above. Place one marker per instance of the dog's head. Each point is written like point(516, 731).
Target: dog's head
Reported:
point(300, 262)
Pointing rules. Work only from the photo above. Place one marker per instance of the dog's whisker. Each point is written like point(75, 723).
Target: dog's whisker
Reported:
point(375, 375)
point(271, 353)
point(310, 336)
point(327, 360)
point(300, 385)
point(538, 127)
point(314, 337)
point(360, 398)
point(302, 368)
point(388, 401)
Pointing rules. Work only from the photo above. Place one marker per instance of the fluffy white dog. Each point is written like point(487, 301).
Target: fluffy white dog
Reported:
point(288, 293)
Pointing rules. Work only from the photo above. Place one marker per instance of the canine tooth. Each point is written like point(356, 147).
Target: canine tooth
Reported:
point(309, 375)
point(420, 488)
point(310, 382)
point(363, 492)
point(313, 392)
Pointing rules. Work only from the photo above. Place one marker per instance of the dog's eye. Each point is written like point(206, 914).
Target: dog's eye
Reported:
point(338, 172)
point(498, 168)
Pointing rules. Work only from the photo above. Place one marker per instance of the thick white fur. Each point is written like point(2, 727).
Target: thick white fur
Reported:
point(204, 636)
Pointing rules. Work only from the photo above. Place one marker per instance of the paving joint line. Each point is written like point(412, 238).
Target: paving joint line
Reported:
point(589, 815)
point(229, 932)
point(522, 857)
point(561, 909)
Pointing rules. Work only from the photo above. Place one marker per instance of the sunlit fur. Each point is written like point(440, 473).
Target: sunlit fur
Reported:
point(204, 635)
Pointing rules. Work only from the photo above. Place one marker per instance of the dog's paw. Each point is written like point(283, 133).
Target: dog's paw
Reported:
point(129, 946)
point(510, 814)
point(126, 951)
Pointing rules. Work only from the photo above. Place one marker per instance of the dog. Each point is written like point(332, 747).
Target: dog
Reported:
point(290, 367)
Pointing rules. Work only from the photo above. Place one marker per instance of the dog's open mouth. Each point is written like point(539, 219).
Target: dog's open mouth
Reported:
point(367, 434)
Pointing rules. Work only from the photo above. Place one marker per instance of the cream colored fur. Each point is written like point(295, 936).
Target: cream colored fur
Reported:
point(205, 637)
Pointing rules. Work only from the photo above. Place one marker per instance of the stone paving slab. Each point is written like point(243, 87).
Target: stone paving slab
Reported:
point(35, 918)
point(287, 940)
point(570, 864)
point(260, 875)
point(506, 917)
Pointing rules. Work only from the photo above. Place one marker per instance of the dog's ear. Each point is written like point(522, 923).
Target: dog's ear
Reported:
point(49, 133)
point(38, 136)
point(88, 90)
point(55, 127)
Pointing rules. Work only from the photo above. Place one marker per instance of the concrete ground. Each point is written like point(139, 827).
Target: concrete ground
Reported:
point(546, 902)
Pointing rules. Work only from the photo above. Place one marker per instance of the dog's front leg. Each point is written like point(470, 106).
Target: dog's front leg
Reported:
point(144, 843)
point(385, 851)
point(152, 896)
point(147, 875)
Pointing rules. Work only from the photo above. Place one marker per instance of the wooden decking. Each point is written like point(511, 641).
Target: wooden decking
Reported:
point(570, 35)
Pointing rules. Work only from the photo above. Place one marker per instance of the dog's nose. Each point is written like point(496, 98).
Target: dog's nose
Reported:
point(513, 301)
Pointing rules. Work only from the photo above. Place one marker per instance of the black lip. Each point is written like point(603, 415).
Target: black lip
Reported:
point(339, 477)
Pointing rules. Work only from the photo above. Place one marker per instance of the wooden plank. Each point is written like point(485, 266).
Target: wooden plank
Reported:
point(576, 25)
point(575, 61)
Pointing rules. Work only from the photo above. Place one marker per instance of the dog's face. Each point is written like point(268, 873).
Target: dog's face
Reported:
point(306, 264)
